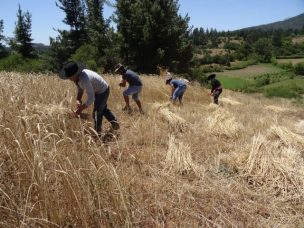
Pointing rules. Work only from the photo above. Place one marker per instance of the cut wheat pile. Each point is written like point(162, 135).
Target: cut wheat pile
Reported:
point(276, 162)
point(174, 120)
point(221, 122)
point(299, 126)
point(178, 157)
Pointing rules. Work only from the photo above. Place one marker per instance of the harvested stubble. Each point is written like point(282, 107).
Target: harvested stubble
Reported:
point(278, 109)
point(230, 101)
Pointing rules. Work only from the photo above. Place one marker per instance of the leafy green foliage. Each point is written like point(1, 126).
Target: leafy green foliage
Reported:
point(3, 52)
point(288, 89)
point(263, 49)
point(153, 34)
point(299, 69)
point(199, 75)
point(16, 62)
point(88, 55)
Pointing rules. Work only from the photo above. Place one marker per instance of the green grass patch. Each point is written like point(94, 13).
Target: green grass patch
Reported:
point(234, 83)
point(293, 88)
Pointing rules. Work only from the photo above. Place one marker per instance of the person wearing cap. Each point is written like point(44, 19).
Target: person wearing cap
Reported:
point(178, 88)
point(216, 88)
point(97, 90)
point(134, 89)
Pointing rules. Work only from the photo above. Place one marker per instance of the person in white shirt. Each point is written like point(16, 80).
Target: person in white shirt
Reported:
point(97, 90)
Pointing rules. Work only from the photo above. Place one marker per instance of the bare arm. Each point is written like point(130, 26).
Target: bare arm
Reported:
point(172, 90)
point(122, 83)
point(79, 96)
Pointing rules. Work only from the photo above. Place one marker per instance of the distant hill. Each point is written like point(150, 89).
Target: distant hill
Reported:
point(40, 47)
point(293, 23)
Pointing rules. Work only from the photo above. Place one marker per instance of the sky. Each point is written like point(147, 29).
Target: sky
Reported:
point(222, 15)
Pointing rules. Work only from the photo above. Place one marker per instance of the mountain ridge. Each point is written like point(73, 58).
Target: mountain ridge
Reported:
point(294, 23)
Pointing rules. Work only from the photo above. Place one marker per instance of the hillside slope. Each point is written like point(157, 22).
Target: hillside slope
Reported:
point(200, 165)
point(293, 23)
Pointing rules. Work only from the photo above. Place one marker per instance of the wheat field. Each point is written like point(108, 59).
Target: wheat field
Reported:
point(240, 164)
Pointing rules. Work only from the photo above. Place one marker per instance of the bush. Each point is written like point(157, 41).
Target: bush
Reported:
point(286, 66)
point(283, 92)
point(299, 69)
point(274, 61)
point(87, 55)
point(262, 80)
point(199, 75)
point(15, 62)
point(11, 62)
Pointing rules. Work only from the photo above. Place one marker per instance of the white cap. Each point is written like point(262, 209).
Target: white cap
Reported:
point(168, 76)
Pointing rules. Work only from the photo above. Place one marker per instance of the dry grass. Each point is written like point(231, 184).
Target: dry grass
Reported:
point(298, 40)
point(251, 71)
point(293, 61)
point(299, 126)
point(229, 101)
point(237, 165)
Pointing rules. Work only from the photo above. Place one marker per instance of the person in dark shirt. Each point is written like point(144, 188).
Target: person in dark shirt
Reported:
point(134, 89)
point(178, 88)
point(216, 88)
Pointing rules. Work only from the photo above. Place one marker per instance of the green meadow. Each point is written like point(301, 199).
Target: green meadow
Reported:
point(268, 79)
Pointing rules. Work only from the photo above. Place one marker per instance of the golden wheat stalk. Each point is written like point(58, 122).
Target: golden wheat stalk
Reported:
point(178, 158)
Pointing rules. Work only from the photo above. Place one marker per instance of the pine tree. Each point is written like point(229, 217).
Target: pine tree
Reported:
point(98, 30)
point(153, 33)
point(3, 52)
point(22, 43)
point(76, 19)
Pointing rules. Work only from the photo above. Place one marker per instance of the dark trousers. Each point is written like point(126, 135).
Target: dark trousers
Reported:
point(216, 95)
point(101, 109)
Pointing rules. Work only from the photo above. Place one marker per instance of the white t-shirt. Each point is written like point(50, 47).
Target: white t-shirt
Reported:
point(92, 83)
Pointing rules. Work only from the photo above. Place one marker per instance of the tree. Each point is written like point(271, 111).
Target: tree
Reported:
point(153, 33)
point(88, 29)
point(75, 18)
point(66, 44)
point(277, 38)
point(3, 52)
point(263, 48)
point(99, 33)
point(22, 43)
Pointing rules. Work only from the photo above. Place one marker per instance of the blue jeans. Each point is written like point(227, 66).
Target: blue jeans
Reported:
point(179, 92)
point(101, 109)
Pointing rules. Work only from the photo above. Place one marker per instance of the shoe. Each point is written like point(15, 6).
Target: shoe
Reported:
point(115, 125)
point(127, 109)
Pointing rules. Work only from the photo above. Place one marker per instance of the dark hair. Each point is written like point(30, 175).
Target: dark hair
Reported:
point(211, 76)
point(168, 81)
